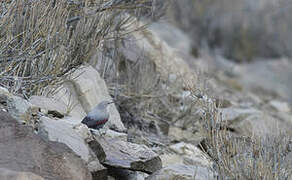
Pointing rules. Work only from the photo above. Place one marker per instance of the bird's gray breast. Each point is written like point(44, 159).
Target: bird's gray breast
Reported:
point(98, 115)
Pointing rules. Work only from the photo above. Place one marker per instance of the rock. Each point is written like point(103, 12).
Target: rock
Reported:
point(18, 108)
point(97, 170)
point(117, 135)
point(91, 89)
point(3, 90)
point(170, 34)
point(57, 108)
point(125, 174)
point(267, 77)
point(98, 150)
point(63, 132)
point(179, 134)
point(191, 154)
point(125, 155)
point(167, 61)
point(280, 106)
point(233, 113)
point(250, 122)
point(157, 45)
point(170, 159)
point(6, 174)
point(182, 172)
point(223, 103)
point(82, 131)
point(67, 95)
point(22, 150)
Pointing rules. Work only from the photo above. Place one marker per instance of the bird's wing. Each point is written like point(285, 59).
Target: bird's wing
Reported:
point(88, 121)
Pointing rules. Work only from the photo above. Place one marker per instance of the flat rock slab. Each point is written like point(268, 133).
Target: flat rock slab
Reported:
point(7, 174)
point(126, 155)
point(91, 89)
point(24, 151)
point(50, 105)
point(63, 132)
point(182, 172)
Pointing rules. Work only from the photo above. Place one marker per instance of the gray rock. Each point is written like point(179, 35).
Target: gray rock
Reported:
point(22, 150)
point(67, 95)
point(91, 89)
point(267, 77)
point(6, 174)
point(18, 108)
point(170, 34)
point(114, 134)
point(49, 105)
point(97, 170)
point(191, 155)
point(3, 90)
point(179, 134)
point(166, 57)
point(126, 155)
point(63, 132)
point(125, 174)
point(182, 172)
point(250, 121)
point(280, 106)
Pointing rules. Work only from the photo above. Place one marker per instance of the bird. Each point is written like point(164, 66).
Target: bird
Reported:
point(98, 116)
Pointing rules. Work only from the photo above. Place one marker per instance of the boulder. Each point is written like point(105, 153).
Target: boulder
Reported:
point(67, 95)
point(22, 150)
point(267, 77)
point(18, 108)
point(191, 154)
point(126, 155)
point(7, 174)
point(280, 106)
point(83, 92)
point(64, 132)
point(162, 49)
point(250, 121)
point(169, 63)
point(125, 174)
point(188, 135)
point(182, 172)
point(50, 106)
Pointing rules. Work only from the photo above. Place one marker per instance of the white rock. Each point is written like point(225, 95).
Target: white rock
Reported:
point(91, 89)
point(6, 174)
point(49, 104)
point(169, 159)
point(180, 134)
point(126, 155)
point(113, 134)
point(66, 95)
point(62, 131)
point(183, 172)
point(18, 108)
point(191, 154)
point(280, 106)
point(3, 90)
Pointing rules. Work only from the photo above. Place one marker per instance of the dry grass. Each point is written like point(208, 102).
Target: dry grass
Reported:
point(244, 158)
point(42, 42)
point(243, 30)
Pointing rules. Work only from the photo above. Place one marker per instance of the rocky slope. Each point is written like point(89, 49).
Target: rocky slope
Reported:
point(42, 138)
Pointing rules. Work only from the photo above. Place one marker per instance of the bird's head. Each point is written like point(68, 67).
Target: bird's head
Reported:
point(104, 104)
